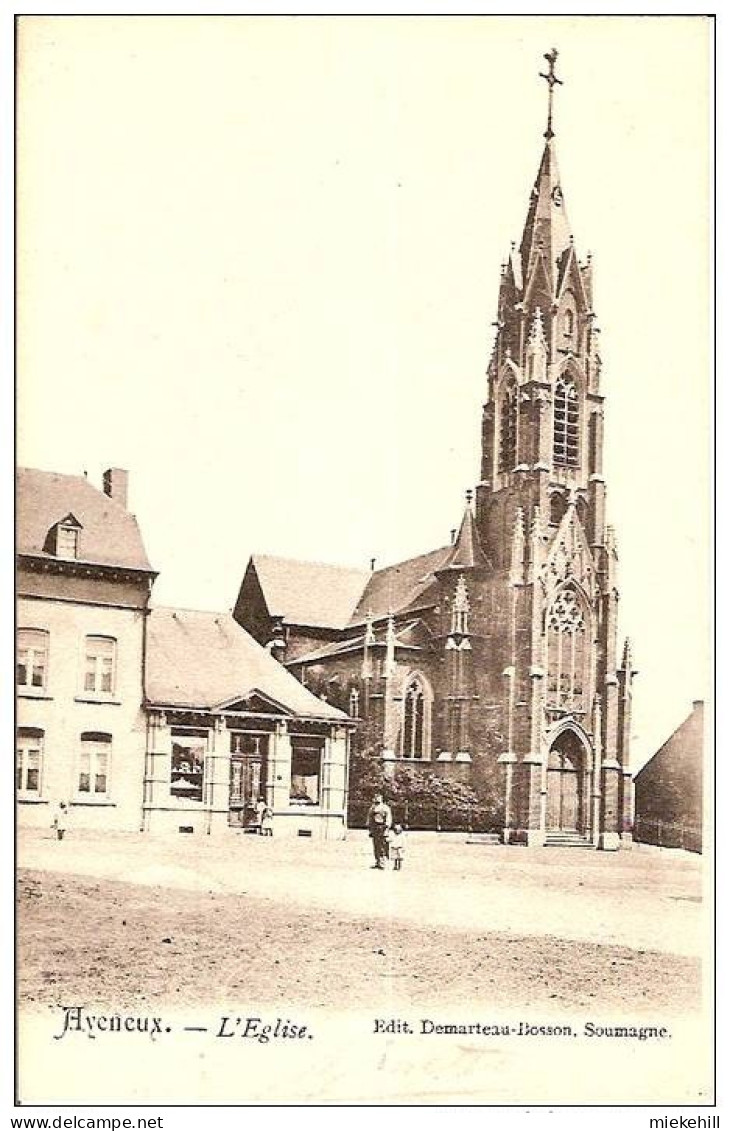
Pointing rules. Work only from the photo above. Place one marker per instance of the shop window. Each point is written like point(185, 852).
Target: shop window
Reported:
point(29, 762)
point(99, 665)
point(94, 766)
point(306, 770)
point(188, 764)
point(32, 662)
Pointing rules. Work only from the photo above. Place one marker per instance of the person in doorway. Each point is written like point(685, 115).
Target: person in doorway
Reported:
point(60, 819)
point(397, 845)
point(260, 810)
point(380, 820)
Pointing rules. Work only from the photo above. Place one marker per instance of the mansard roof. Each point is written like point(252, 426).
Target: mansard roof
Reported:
point(108, 534)
point(204, 660)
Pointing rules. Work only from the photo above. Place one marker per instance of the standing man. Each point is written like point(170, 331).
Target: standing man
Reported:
point(380, 819)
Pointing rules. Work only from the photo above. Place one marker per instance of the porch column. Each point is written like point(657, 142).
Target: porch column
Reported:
point(280, 767)
point(218, 776)
point(156, 786)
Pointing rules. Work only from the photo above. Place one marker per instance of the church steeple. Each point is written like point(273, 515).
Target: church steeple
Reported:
point(547, 232)
point(543, 421)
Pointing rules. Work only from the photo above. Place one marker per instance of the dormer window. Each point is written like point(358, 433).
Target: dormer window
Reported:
point(67, 542)
point(63, 538)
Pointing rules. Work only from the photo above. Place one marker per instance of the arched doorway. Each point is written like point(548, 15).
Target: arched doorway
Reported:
point(565, 780)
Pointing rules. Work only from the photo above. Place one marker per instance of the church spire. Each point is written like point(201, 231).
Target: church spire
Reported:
point(547, 232)
point(467, 552)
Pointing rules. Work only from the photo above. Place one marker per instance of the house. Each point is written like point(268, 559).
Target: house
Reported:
point(494, 658)
point(83, 584)
point(668, 788)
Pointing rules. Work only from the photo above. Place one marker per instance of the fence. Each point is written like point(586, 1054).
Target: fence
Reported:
point(668, 834)
point(441, 818)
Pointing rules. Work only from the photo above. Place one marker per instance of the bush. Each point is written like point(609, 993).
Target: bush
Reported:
point(419, 798)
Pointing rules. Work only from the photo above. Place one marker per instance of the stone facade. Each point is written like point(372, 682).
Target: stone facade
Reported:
point(495, 658)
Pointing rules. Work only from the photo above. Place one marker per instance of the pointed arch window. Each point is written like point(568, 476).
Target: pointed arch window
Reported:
point(565, 423)
point(416, 720)
point(508, 427)
point(568, 652)
point(558, 507)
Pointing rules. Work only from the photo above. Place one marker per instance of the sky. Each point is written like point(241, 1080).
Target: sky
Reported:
point(258, 262)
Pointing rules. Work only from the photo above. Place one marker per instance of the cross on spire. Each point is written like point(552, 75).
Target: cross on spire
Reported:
point(551, 79)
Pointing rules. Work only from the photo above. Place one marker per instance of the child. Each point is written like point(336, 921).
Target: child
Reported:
point(397, 847)
point(60, 819)
point(267, 822)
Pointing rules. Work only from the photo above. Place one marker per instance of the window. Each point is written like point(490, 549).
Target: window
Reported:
point(306, 768)
point(567, 652)
point(558, 507)
point(416, 719)
point(565, 423)
point(29, 762)
point(568, 323)
point(99, 662)
point(508, 428)
point(188, 764)
point(32, 663)
point(94, 765)
point(67, 542)
point(354, 705)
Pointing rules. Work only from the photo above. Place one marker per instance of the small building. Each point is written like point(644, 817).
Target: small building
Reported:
point(228, 725)
point(83, 583)
point(668, 789)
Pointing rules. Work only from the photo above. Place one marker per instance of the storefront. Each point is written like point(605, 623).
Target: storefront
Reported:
point(209, 763)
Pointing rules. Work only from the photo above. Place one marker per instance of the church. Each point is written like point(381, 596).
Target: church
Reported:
point(494, 659)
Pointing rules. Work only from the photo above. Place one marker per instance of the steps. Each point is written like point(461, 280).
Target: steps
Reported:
point(562, 838)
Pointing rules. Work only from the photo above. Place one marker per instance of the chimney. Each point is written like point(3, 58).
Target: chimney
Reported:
point(453, 535)
point(116, 482)
point(372, 564)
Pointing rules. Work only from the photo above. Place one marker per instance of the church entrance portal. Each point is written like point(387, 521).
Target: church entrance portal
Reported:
point(565, 777)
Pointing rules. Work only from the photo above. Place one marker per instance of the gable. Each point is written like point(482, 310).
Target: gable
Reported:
point(570, 557)
point(253, 700)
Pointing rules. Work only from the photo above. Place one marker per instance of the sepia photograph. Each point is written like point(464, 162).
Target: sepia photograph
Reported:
point(363, 533)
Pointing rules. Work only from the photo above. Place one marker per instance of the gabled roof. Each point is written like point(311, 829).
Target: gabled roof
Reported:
point(108, 535)
point(205, 660)
point(311, 594)
point(400, 587)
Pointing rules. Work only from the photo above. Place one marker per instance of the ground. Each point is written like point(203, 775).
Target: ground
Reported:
point(130, 920)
